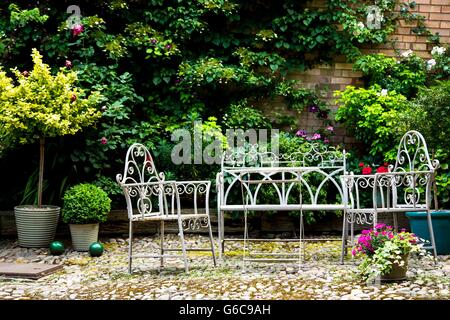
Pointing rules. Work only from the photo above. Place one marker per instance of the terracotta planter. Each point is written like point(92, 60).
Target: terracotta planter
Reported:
point(398, 272)
point(36, 227)
point(83, 235)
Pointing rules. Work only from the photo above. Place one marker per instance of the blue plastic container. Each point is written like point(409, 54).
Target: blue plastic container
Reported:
point(441, 228)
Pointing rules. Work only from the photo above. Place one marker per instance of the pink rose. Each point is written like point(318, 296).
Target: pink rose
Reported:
point(77, 29)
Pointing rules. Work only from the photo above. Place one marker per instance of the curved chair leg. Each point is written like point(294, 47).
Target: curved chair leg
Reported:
point(430, 230)
point(183, 245)
point(212, 241)
point(161, 230)
point(130, 246)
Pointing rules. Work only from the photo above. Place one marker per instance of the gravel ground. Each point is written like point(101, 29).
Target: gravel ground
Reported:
point(320, 276)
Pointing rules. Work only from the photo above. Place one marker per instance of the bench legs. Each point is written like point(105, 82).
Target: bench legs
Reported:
point(431, 232)
point(183, 245)
point(161, 230)
point(211, 239)
point(344, 237)
point(221, 232)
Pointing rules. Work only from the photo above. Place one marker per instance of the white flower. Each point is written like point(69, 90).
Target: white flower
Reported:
point(430, 64)
point(361, 25)
point(384, 92)
point(407, 53)
point(438, 50)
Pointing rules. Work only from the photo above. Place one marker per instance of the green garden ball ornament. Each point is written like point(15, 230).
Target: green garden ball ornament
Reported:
point(96, 249)
point(56, 248)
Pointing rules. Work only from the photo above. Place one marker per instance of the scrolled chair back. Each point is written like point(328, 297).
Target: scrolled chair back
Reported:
point(413, 155)
point(141, 182)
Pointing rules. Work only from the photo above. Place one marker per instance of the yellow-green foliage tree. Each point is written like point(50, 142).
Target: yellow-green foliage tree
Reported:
point(36, 105)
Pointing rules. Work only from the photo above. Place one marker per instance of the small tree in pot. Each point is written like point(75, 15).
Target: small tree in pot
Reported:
point(34, 106)
point(85, 206)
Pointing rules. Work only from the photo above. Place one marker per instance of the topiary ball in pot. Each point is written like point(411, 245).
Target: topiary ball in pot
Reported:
point(85, 206)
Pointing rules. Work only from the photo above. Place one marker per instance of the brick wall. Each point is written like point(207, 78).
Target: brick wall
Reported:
point(328, 78)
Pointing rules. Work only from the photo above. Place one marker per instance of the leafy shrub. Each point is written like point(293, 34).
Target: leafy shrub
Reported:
point(85, 203)
point(404, 76)
point(429, 114)
point(371, 116)
point(241, 115)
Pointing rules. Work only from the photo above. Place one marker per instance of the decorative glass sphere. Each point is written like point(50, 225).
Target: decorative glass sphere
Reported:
point(96, 249)
point(56, 248)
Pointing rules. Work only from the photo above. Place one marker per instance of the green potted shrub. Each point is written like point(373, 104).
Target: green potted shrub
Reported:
point(85, 206)
point(428, 113)
point(385, 253)
point(36, 105)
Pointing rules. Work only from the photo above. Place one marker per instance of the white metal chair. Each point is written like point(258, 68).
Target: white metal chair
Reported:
point(405, 187)
point(150, 197)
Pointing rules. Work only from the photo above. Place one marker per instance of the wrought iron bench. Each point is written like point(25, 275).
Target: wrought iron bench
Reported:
point(150, 197)
point(407, 186)
point(296, 180)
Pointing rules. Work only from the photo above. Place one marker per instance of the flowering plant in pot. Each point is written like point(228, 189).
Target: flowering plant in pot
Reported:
point(85, 206)
point(385, 252)
point(34, 106)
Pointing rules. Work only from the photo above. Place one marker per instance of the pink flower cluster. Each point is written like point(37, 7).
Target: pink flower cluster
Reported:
point(372, 239)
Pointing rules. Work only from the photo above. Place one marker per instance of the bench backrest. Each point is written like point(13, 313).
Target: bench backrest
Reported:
point(326, 163)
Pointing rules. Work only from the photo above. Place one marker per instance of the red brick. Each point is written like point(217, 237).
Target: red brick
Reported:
point(444, 2)
point(352, 74)
point(341, 80)
point(445, 39)
point(419, 46)
point(428, 8)
point(432, 24)
point(423, 1)
point(314, 72)
point(409, 38)
point(403, 30)
point(440, 16)
point(446, 8)
point(345, 66)
point(423, 54)
point(445, 24)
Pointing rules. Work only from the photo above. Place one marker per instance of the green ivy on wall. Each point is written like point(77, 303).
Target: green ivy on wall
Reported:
point(163, 64)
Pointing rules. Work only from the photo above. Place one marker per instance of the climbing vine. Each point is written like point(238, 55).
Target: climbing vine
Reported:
point(164, 64)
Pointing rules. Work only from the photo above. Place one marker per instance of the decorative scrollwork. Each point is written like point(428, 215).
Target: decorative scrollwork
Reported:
point(412, 154)
point(360, 217)
point(139, 167)
point(315, 154)
point(195, 223)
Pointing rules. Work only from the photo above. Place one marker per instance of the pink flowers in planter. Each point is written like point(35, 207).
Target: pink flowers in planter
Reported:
point(373, 239)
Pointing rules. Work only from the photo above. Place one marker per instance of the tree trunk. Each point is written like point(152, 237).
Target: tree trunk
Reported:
point(41, 169)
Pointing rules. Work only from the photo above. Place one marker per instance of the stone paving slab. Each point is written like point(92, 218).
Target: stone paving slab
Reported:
point(27, 270)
